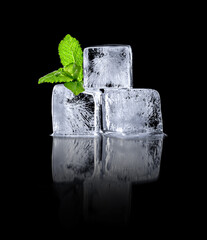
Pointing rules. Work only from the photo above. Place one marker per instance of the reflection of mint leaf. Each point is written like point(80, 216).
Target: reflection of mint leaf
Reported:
point(57, 76)
point(76, 87)
point(71, 56)
point(70, 51)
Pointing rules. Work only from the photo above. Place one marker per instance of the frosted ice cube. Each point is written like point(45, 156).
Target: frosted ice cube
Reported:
point(108, 66)
point(132, 159)
point(132, 111)
point(74, 157)
point(75, 115)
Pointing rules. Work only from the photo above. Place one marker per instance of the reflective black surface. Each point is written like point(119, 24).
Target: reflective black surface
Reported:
point(93, 177)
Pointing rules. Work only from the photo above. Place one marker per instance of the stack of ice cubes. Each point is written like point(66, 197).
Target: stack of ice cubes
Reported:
point(109, 103)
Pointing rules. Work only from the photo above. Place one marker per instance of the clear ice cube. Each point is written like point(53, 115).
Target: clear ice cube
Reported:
point(132, 111)
point(75, 115)
point(108, 66)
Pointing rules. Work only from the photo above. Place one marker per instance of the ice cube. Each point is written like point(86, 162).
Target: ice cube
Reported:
point(108, 66)
point(134, 159)
point(74, 157)
point(75, 115)
point(132, 111)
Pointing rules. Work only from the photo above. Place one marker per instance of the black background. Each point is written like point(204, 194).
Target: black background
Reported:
point(157, 35)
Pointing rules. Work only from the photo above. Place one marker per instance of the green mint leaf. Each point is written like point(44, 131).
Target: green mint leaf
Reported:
point(70, 51)
point(80, 76)
point(73, 70)
point(71, 56)
point(57, 76)
point(76, 87)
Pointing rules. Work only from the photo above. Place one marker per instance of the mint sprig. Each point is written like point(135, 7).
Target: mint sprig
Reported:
point(71, 57)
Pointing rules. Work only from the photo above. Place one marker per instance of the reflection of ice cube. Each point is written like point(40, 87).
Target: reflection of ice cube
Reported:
point(97, 187)
point(108, 66)
point(106, 200)
point(75, 115)
point(132, 159)
point(74, 157)
point(132, 111)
